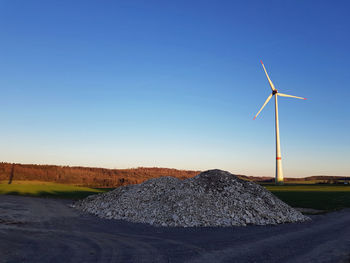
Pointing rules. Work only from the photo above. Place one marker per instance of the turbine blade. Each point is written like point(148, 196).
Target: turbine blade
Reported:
point(271, 84)
point(290, 96)
point(267, 100)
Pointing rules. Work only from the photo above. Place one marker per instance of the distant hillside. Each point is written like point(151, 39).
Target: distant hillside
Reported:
point(101, 177)
point(310, 179)
point(86, 176)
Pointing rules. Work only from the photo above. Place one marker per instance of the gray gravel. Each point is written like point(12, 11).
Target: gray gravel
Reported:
point(47, 230)
point(212, 198)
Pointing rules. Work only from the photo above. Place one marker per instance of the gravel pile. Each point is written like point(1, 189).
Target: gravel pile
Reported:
point(212, 198)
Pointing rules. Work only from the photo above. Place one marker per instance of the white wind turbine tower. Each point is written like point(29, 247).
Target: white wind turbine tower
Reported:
point(279, 171)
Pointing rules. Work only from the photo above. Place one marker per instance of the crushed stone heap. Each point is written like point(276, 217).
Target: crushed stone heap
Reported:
point(212, 198)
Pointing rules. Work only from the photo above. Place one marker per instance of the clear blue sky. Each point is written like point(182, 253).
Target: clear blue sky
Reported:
point(175, 84)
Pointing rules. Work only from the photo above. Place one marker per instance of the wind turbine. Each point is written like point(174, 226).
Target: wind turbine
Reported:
point(279, 171)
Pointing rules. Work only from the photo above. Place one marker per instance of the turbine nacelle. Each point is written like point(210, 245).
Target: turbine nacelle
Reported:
point(274, 92)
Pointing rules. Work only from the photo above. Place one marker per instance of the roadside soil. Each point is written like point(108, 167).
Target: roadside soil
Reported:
point(48, 230)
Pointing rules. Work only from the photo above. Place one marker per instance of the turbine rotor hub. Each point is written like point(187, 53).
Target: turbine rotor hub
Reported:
point(274, 92)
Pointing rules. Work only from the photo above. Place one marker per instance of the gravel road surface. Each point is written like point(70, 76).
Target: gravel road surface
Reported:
point(48, 230)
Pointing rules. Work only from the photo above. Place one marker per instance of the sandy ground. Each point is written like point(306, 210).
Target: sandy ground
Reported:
point(47, 230)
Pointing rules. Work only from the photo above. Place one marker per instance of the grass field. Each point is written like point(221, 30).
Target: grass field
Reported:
point(322, 197)
point(47, 189)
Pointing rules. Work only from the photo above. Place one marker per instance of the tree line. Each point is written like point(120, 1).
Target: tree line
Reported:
point(86, 176)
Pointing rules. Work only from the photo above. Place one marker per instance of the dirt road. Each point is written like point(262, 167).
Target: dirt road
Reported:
point(47, 230)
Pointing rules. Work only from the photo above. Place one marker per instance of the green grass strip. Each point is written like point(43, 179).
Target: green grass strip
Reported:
point(43, 189)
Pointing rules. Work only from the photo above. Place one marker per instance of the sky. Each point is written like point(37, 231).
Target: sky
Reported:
point(122, 84)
